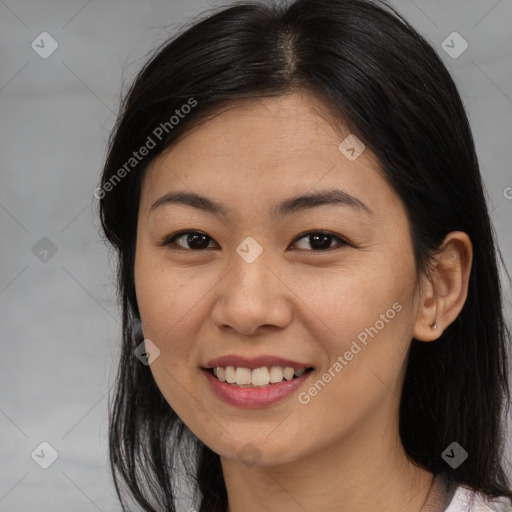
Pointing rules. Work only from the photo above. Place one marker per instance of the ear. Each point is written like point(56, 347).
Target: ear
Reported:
point(444, 291)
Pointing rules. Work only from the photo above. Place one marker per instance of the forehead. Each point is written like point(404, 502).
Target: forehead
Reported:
point(274, 127)
point(265, 148)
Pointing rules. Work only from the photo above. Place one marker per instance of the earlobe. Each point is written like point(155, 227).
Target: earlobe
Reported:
point(444, 292)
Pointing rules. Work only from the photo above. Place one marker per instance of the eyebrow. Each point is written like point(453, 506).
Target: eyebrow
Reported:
point(286, 207)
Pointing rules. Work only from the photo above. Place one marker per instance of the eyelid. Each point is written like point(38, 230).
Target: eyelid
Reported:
point(342, 240)
point(167, 240)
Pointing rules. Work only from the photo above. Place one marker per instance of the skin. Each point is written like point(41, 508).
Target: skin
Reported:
point(341, 451)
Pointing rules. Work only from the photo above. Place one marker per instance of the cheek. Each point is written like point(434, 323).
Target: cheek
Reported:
point(168, 303)
point(340, 304)
point(166, 295)
point(362, 320)
point(365, 331)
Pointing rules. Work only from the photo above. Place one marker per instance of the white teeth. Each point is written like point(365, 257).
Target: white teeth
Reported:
point(230, 374)
point(276, 374)
point(259, 377)
point(288, 373)
point(243, 376)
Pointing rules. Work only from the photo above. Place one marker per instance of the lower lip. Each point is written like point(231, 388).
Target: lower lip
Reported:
point(254, 398)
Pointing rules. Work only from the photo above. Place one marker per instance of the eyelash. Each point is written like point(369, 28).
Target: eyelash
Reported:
point(171, 238)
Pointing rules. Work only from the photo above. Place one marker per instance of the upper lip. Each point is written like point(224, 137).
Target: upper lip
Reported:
point(254, 362)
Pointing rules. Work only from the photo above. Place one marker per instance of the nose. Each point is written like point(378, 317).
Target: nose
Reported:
point(252, 297)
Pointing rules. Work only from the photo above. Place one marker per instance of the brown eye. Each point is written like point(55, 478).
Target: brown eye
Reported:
point(321, 240)
point(196, 240)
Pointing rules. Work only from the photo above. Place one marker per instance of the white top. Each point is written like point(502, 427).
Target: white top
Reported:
point(467, 500)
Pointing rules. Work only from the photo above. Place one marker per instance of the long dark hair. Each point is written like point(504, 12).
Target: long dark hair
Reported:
point(384, 82)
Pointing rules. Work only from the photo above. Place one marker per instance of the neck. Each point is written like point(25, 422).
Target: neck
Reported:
point(361, 474)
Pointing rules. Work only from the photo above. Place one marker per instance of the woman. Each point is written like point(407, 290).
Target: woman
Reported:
point(312, 316)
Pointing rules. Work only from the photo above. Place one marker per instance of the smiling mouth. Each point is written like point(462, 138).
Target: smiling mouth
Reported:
point(257, 377)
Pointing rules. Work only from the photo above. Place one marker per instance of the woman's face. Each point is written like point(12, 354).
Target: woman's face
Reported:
point(252, 283)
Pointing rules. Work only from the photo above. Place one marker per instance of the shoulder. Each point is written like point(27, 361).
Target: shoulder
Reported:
point(467, 500)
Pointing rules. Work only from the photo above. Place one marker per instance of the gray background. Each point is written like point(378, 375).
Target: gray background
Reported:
point(59, 322)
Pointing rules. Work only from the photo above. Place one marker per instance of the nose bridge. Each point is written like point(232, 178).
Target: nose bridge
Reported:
point(250, 275)
point(251, 295)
